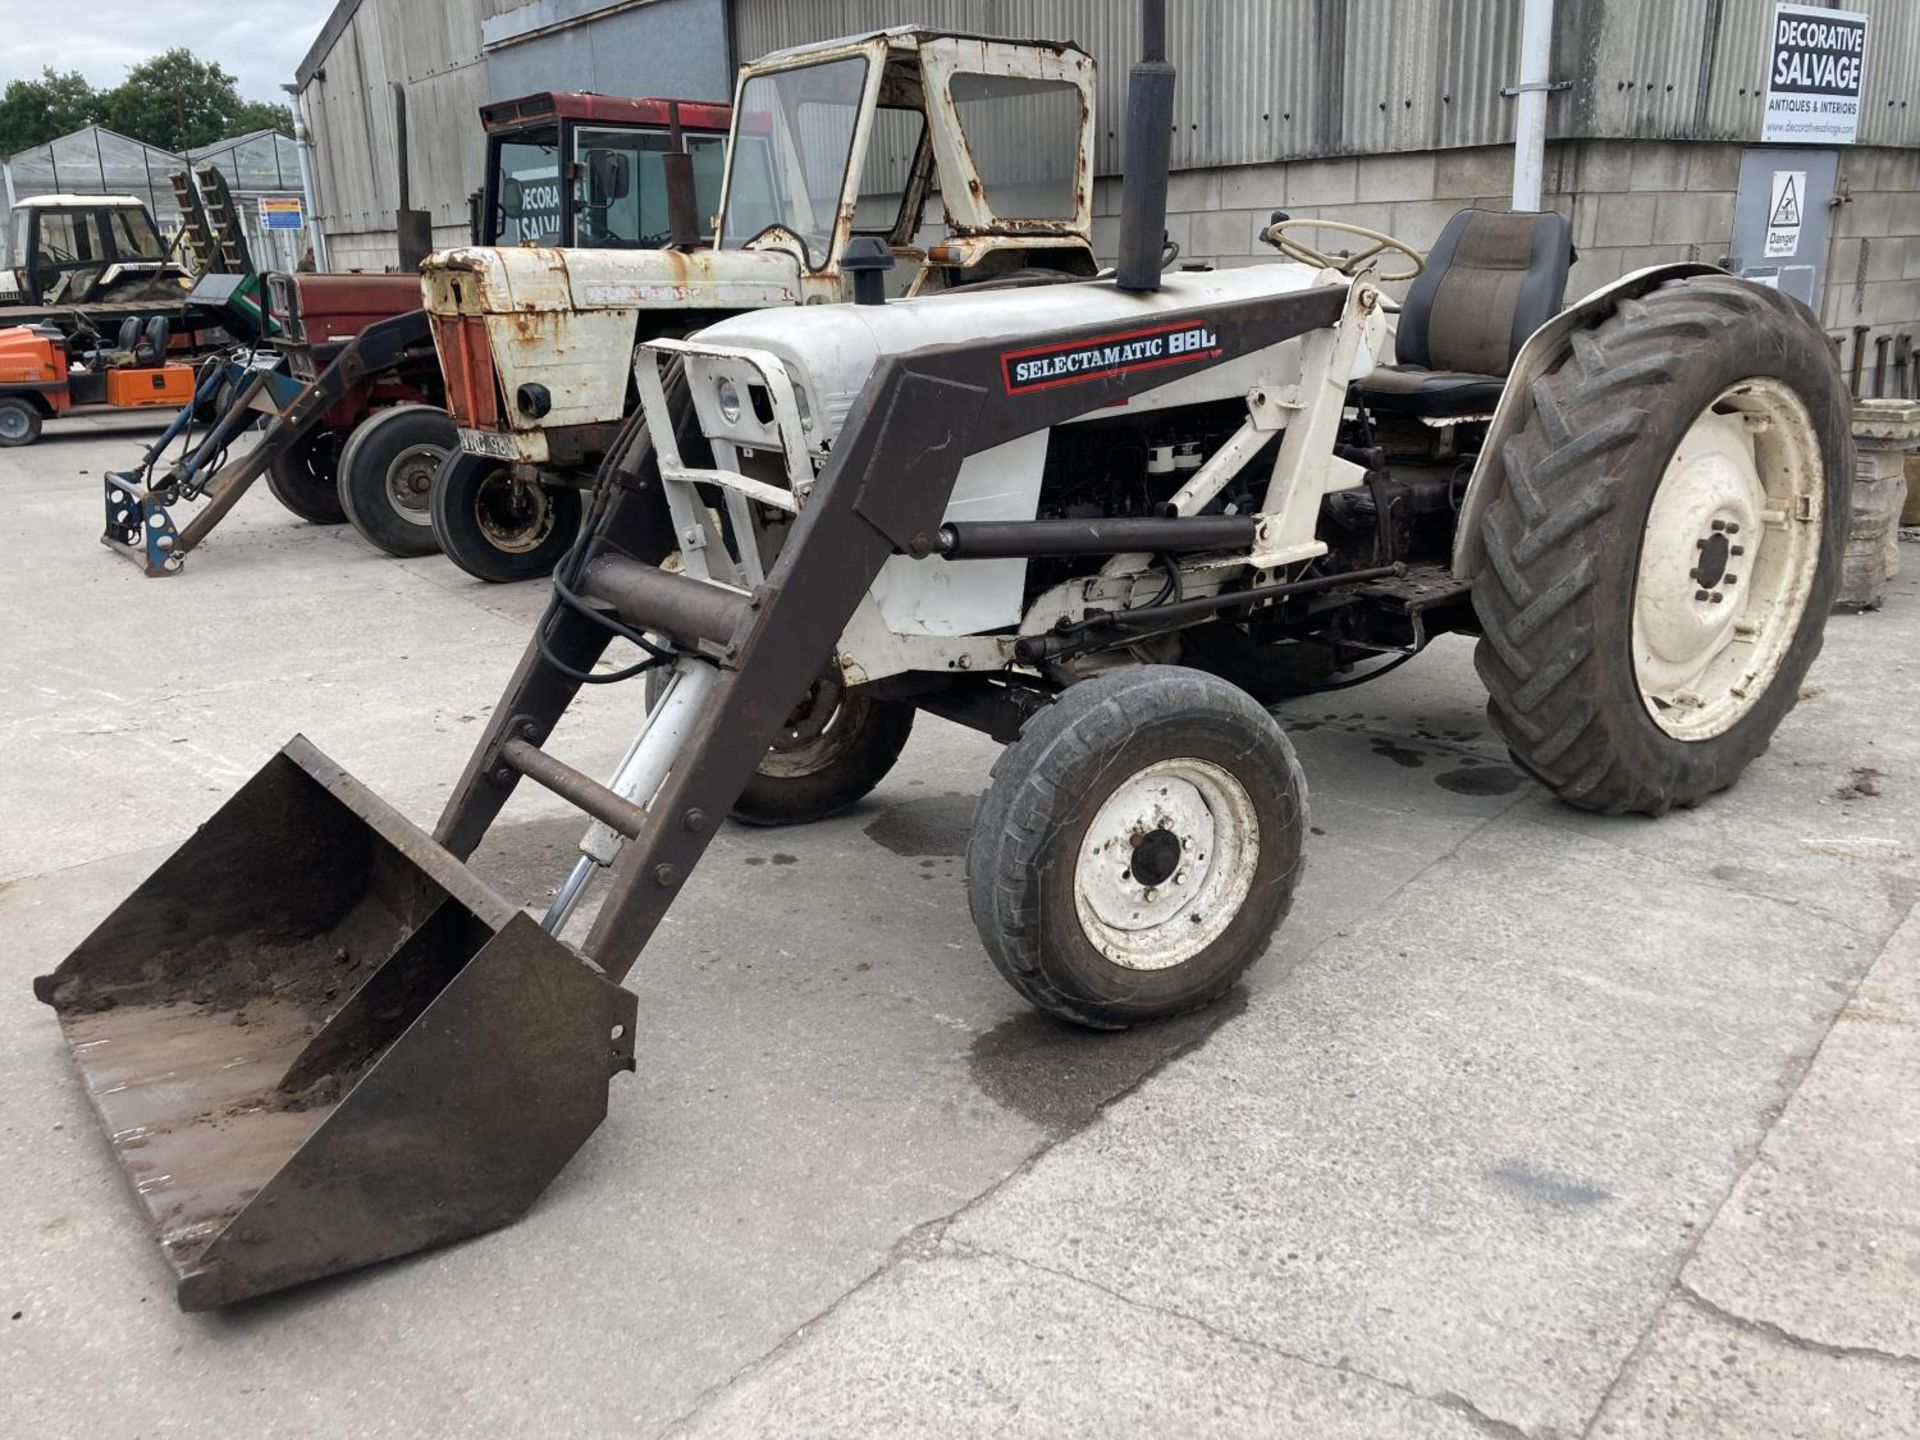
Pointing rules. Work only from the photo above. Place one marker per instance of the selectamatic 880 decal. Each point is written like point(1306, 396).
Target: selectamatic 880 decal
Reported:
point(1042, 367)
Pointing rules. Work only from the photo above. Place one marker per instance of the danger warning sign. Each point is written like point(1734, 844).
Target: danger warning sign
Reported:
point(1785, 213)
point(1813, 80)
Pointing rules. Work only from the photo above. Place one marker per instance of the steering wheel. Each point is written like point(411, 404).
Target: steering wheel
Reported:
point(1280, 236)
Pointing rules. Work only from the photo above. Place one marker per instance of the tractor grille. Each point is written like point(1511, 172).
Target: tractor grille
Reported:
point(466, 360)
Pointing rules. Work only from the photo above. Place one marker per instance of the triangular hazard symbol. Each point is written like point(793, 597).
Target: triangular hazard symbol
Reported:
point(1787, 212)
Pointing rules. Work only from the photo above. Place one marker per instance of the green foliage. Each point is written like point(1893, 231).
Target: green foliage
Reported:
point(33, 112)
point(176, 101)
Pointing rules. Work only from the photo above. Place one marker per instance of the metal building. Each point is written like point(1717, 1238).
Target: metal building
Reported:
point(1388, 113)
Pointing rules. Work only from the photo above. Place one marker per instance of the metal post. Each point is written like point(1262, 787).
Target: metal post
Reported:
point(303, 144)
point(1530, 112)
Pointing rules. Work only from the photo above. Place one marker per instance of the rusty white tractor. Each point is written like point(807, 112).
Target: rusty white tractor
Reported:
point(920, 160)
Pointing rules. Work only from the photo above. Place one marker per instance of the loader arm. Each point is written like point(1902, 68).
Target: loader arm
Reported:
point(139, 523)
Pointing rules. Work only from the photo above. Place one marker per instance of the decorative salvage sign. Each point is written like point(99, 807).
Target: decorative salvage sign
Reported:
point(1813, 83)
point(282, 212)
point(1785, 213)
point(1045, 366)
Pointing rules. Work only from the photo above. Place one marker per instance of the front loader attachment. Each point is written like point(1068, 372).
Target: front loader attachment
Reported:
point(317, 1041)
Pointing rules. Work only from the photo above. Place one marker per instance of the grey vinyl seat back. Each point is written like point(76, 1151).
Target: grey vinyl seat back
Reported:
point(1492, 279)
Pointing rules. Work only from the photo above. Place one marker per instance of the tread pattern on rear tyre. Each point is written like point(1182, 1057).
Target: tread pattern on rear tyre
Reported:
point(1003, 902)
point(1563, 474)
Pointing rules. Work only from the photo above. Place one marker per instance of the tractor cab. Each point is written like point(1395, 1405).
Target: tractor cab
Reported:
point(936, 158)
point(567, 170)
point(86, 249)
point(862, 139)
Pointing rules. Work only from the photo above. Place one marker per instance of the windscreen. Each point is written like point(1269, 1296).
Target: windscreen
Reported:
point(134, 237)
point(794, 135)
point(620, 200)
point(1024, 136)
point(526, 188)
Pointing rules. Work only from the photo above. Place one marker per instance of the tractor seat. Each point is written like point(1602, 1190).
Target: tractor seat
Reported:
point(1492, 279)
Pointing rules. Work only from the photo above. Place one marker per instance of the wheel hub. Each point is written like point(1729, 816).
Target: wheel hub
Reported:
point(13, 423)
point(1166, 863)
point(410, 482)
point(1727, 558)
point(514, 515)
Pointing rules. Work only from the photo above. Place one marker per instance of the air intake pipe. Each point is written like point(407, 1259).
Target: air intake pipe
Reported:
point(1143, 201)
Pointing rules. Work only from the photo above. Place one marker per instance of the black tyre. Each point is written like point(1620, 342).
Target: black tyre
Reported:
point(1662, 549)
point(19, 421)
point(835, 747)
point(498, 528)
point(1139, 845)
point(303, 478)
point(386, 476)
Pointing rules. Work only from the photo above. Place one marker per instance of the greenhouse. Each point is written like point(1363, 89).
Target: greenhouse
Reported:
point(98, 161)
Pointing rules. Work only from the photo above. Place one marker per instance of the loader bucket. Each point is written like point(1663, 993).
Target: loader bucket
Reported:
point(317, 1041)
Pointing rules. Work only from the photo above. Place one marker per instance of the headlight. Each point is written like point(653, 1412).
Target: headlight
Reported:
point(729, 399)
point(804, 406)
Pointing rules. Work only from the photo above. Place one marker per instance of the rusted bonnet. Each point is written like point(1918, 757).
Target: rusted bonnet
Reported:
point(317, 1041)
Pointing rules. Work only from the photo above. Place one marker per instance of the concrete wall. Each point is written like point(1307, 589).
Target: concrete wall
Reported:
point(1633, 203)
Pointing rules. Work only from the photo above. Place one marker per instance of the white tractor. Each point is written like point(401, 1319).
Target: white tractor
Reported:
point(956, 159)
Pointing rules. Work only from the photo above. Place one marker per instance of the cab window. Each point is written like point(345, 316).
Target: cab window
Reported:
point(620, 195)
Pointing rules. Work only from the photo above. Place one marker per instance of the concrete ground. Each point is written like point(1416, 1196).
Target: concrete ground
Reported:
point(1532, 1123)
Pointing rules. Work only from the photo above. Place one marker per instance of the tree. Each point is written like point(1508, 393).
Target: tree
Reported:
point(180, 102)
point(33, 112)
point(262, 115)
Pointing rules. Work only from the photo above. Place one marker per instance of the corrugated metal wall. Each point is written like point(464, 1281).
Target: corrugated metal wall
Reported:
point(435, 50)
point(1647, 69)
point(1264, 80)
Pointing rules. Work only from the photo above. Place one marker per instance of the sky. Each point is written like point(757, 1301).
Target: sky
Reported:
point(259, 42)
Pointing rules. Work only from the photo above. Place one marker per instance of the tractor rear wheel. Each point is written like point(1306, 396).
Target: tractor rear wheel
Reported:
point(303, 478)
point(498, 528)
point(386, 476)
point(836, 745)
point(1662, 551)
point(1139, 845)
point(19, 421)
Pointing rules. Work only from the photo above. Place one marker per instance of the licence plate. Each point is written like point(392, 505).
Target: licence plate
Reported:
point(488, 442)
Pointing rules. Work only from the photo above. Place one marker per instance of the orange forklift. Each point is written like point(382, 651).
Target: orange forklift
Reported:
point(45, 376)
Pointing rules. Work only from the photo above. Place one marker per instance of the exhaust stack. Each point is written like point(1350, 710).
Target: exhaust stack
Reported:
point(1143, 202)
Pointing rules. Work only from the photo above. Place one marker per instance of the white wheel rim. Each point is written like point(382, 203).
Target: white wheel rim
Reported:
point(14, 423)
point(1166, 864)
point(1727, 560)
point(410, 482)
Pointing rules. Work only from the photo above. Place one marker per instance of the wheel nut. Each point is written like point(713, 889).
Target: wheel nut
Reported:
point(1732, 529)
point(1719, 525)
point(1701, 595)
point(1729, 580)
point(1716, 597)
point(1152, 893)
point(1736, 550)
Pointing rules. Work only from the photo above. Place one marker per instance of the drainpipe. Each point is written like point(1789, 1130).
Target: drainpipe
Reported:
point(1530, 112)
point(303, 146)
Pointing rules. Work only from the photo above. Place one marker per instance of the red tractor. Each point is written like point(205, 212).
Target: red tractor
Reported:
point(349, 381)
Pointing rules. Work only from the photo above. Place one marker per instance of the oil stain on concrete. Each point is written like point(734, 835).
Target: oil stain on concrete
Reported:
point(1060, 1076)
point(936, 825)
point(1480, 780)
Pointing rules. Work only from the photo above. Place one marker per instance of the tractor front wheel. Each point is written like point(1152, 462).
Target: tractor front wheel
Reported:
point(1662, 552)
point(836, 745)
point(387, 473)
point(499, 528)
point(1139, 845)
point(303, 478)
